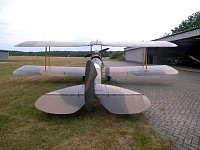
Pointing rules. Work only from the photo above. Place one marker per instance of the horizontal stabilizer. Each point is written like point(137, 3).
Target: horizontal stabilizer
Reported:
point(140, 70)
point(118, 100)
point(63, 101)
point(50, 71)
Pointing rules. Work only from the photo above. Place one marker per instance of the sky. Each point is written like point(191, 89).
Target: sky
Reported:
point(87, 20)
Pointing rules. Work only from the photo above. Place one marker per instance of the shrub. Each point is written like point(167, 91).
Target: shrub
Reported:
point(117, 55)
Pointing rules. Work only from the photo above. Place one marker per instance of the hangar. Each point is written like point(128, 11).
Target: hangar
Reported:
point(4, 55)
point(187, 53)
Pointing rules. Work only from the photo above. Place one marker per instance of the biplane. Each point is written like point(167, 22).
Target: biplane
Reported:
point(115, 99)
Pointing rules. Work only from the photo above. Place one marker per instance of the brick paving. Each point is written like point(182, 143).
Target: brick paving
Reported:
point(175, 110)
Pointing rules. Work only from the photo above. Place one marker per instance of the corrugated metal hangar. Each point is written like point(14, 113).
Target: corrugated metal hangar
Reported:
point(4, 55)
point(187, 52)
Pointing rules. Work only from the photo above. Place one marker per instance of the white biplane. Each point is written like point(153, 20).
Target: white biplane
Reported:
point(116, 100)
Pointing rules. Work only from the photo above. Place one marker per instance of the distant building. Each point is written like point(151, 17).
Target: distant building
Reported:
point(188, 47)
point(4, 55)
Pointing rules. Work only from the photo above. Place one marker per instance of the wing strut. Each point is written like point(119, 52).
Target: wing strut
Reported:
point(47, 57)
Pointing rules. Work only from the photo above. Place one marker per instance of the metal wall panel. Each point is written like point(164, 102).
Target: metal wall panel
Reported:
point(136, 55)
point(4, 55)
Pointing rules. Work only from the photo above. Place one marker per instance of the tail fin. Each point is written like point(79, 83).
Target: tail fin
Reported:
point(90, 75)
point(118, 100)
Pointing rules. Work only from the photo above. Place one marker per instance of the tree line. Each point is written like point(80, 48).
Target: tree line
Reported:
point(57, 53)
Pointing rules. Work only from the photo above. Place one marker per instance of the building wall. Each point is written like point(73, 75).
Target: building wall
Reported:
point(4, 55)
point(136, 55)
point(154, 55)
point(188, 45)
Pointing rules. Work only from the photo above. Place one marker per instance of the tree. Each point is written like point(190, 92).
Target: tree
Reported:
point(193, 21)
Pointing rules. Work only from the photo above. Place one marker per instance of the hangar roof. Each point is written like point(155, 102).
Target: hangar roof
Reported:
point(188, 37)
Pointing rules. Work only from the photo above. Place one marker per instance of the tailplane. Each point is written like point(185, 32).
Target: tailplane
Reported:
point(119, 100)
point(63, 101)
point(70, 99)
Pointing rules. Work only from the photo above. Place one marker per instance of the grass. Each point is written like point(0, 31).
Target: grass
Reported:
point(22, 126)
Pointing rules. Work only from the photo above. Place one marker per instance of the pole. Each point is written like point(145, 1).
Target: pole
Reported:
point(146, 58)
point(144, 51)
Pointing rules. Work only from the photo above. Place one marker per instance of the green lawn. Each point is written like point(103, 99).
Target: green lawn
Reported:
point(22, 126)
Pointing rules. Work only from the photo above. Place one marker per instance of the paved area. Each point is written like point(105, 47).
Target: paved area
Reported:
point(175, 110)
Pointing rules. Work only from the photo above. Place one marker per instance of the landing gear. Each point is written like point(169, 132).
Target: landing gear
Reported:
point(108, 78)
point(83, 78)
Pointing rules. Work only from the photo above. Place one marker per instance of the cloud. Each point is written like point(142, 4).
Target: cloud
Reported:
point(78, 20)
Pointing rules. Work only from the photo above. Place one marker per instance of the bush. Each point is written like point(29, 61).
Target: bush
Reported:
point(117, 55)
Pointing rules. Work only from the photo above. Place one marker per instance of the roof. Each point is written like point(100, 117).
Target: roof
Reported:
point(195, 32)
point(191, 36)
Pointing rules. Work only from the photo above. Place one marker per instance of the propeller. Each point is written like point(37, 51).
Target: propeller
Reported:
point(101, 51)
point(88, 55)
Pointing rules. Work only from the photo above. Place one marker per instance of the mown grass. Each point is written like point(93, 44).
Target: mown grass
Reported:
point(22, 126)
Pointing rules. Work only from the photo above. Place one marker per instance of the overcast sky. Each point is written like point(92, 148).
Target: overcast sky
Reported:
point(86, 20)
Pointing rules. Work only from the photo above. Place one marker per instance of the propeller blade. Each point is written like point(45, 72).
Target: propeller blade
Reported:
point(103, 50)
point(88, 55)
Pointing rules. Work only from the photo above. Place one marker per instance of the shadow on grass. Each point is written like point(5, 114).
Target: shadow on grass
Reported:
point(99, 115)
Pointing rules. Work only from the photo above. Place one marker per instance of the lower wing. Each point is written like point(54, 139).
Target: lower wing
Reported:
point(50, 71)
point(140, 70)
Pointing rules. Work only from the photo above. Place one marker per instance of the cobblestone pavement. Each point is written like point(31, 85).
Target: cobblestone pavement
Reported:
point(175, 110)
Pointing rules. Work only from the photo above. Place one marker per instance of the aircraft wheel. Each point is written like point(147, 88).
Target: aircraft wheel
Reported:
point(83, 78)
point(108, 78)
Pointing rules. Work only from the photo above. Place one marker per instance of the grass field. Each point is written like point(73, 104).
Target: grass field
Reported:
point(22, 126)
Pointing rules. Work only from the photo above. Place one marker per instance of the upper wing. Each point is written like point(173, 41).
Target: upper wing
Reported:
point(52, 44)
point(140, 70)
point(140, 44)
point(79, 44)
point(50, 71)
